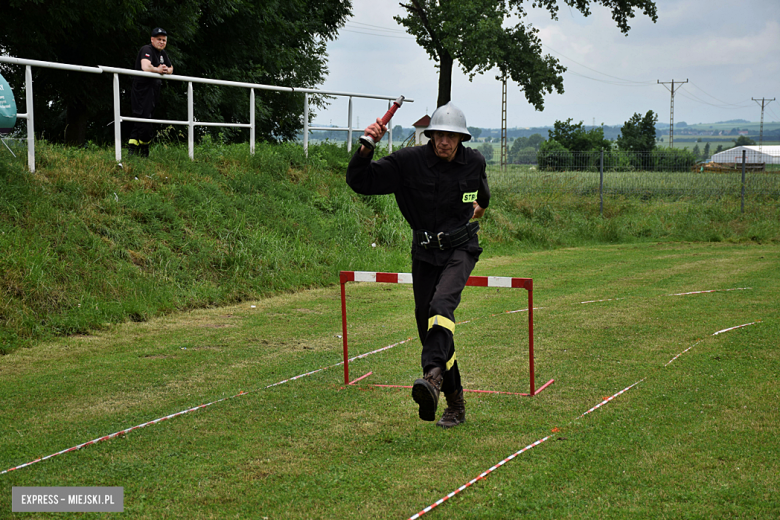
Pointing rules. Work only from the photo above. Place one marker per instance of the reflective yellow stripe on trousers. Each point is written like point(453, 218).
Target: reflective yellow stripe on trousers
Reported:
point(448, 324)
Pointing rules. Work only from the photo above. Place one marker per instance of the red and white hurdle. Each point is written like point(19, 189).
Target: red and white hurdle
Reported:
point(474, 281)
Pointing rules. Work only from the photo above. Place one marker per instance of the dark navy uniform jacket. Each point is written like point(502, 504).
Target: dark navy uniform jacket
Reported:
point(148, 52)
point(433, 195)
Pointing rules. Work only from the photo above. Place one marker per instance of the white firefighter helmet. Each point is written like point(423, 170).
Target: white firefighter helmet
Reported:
point(448, 118)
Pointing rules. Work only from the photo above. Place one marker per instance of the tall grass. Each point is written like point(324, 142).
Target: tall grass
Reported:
point(85, 243)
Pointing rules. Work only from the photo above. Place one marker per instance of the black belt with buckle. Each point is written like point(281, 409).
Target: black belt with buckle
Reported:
point(442, 240)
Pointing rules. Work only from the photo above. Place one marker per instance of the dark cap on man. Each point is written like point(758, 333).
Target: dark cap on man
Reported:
point(158, 31)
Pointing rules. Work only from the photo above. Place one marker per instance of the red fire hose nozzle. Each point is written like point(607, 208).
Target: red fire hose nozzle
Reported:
point(366, 140)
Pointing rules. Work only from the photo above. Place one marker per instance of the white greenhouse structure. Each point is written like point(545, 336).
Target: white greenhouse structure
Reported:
point(753, 155)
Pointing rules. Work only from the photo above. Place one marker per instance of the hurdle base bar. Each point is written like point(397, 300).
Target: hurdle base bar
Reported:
point(548, 383)
point(474, 281)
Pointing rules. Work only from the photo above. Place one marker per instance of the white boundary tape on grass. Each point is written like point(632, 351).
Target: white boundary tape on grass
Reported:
point(195, 408)
point(714, 334)
point(677, 294)
point(200, 407)
point(711, 290)
point(482, 475)
point(599, 405)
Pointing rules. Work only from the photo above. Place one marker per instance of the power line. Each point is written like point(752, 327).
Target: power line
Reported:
point(774, 113)
point(380, 35)
point(377, 27)
point(696, 99)
point(716, 99)
point(609, 82)
point(638, 83)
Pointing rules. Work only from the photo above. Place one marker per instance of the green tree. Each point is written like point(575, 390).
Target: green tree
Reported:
point(475, 132)
point(719, 148)
point(706, 154)
point(743, 140)
point(535, 140)
point(521, 152)
point(257, 41)
point(482, 34)
point(696, 152)
point(638, 133)
point(575, 138)
point(486, 149)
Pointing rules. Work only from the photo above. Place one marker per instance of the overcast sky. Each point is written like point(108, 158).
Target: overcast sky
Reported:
point(728, 50)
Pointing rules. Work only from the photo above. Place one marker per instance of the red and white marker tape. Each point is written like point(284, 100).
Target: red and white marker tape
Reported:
point(206, 405)
point(607, 300)
point(711, 291)
point(199, 407)
point(599, 405)
point(714, 334)
point(678, 294)
point(477, 479)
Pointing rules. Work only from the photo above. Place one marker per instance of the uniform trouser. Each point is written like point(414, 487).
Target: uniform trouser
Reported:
point(437, 291)
point(143, 100)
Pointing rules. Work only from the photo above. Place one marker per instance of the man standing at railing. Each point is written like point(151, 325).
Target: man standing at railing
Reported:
point(145, 93)
point(439, 188)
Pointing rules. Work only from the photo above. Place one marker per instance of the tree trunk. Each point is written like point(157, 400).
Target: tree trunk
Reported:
point(76, 119)
point(445, 78)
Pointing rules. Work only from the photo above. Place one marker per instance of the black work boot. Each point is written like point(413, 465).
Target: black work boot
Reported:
point(425, 393)
point(143, 150)
point(132, 149)
point(455, 413)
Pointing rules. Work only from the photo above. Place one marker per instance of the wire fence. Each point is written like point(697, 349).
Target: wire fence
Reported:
point(669, 175)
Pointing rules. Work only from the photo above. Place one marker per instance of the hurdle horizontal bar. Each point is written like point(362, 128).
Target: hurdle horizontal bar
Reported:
point(406, 278)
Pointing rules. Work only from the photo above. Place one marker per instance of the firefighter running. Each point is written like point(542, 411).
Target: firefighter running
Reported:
point(439, 188)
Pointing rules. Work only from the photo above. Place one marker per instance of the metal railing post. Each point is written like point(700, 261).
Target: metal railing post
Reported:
point(306, 123)
point(28, 93)
point(349, 126)
point(117, 122)
point(251, 121)
point(744, 152)
point(190, 122)
point(601, 183)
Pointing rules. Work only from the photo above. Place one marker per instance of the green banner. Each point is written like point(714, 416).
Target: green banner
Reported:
point(7, 107)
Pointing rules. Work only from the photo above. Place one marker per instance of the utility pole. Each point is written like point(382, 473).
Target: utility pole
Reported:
point(503, 125)
point(671, 110)
point(764, 102)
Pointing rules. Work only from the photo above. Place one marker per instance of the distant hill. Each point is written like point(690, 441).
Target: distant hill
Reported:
point(723, 129)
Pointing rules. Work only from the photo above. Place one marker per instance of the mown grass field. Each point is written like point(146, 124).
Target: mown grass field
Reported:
point(669, 185)
point(693, 439)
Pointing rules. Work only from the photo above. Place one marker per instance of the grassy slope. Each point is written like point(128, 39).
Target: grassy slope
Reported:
point(87, 244)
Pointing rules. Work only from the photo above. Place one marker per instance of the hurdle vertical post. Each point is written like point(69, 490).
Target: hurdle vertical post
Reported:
point(343, 280)
point(530, 289)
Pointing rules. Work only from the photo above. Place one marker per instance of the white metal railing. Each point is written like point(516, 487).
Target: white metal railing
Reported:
point(190, 122)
